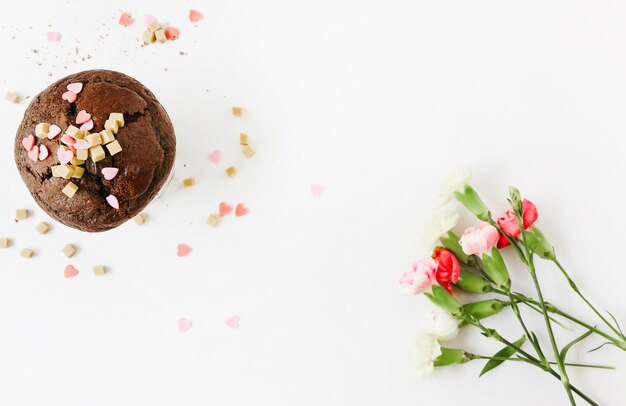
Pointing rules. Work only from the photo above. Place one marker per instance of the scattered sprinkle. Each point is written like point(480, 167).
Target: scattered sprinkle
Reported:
point(183, 250)
point(183, 324)
point(171, 33)
point(26, 253)
point(109, 173)
point(65, 155)
point(75, 88)
point(148, 19)
point(189, 182)
point(70, 189)
point(43, 228)
point(69, 96)
point(99, 270)
point(195, 16)
point(247, 151)
point(225, 208)
point(237, 111)
point(112, 201)
point(87, 126)
point(53, 131)
point(213, 220)
point(114, 147)
point(82, 117)
point(317, 190)
point(215, 157)
point(231, 171)
point(53, 36)
point(139, 219)
point(125, 19)
point(33, 154)
point(21, 214)
point(41, 130)
point(12, 97)
point(5, 243)
point(28, 142)
point(43, 152)
point(240, 210)
point(232, 322)
point(70, 272)
point(243, 139)
point(69, 250)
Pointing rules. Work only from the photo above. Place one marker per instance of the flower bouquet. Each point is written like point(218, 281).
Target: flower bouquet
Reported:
point(473, 263)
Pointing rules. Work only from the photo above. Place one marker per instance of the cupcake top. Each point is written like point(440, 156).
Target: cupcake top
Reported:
point(94, 149)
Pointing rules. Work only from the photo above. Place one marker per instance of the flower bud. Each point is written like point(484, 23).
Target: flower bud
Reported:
point(496, 269)
point(483, 309)
point(538, 243)
point(470, 199)
point(450, 356)
point(473, 283)
point(443, 299)
point(451, 242)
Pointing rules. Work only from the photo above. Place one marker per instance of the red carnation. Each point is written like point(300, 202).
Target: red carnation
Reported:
point(508, 222)
point(448, 269)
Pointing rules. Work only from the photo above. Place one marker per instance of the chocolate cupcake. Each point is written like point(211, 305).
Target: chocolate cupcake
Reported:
point(94, 149)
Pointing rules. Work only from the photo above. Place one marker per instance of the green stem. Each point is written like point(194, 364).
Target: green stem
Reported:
point(534, 343)
point(475, 356)
point(579, 293)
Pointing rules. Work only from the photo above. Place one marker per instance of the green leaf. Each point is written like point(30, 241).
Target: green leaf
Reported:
point(602, 345)
point(572, 343)
point(502, 355)
point(616, 323)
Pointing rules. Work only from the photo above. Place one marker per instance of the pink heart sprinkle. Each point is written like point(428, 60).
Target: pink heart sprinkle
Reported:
point(109, 173)
point(43, 152)
point(53, 36)
point(69, 96)
point(183, 324)
point(317, 190)
point(82, 144)
point(232, 322)
point(64, 155)
point(28, 142)
point(183, 249)
point(88, 126)
point(215, 156)
point(195, 16)
point(53, 131)
point(33, 154)
point(70, 272)
point(171, 33)
point(75, 87)
point(82, 117)
point(67, 140)
point(112, 201)
point(148, 19)
point(125, 19)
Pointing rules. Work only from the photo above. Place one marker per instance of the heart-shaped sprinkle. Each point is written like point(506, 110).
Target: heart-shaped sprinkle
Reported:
point(64, 155)
point(28, 142)
point(33, 154)
point(75, 87)
point(171, 33)
point(69, 96)
point(67, 140)
point(112, 201)
point(215, 157)
point(183, 250)
point(240, 210)
point(82, 144)
point(148, 19)
point(225, 208)
point(43, 152)
point(82, 117)
point(109, 173)
point(70, 272)
point(125, 19)
point(195, 16)
point(183, 324)
point(53, 131)
point(232, 322)
point(53, 36)
point(317, 190)
point(88, 126)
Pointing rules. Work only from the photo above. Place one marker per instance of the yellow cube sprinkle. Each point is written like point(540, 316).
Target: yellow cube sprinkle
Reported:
point(247, 151)
point(114, 147)
point(5, 243)
point(243, 139)
point(74, 132)
point(43, 228)
point(99, 270)
point(111, 125)
point(82, 154)
point(119, 117)
point(76, 161)
point(94, 139)
point(26, 253)
point(231, 171)
point(139, 219)
point(154, 26)
point(70, 189)
point(213, 220)
point(79, 171)
point(237, 111)
point(21, 214)
point(189, 182)
point(107, 136)
point(69, 250)
point(12, 97)
point(148, 38)
point(160, 35)
point(41, 130)
point(97, 153)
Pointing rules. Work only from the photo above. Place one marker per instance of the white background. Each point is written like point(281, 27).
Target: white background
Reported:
point(375, 100)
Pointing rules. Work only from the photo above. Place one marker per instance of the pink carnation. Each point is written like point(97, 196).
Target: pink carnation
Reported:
point(479, 240)
point(419, 278)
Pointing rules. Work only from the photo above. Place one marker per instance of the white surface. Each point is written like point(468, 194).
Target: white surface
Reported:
point(373, 100)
